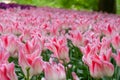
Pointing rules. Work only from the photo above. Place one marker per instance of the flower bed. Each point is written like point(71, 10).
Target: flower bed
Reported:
point(57, 44)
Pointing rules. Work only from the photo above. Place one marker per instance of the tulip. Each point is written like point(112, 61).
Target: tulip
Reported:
point(16, 29)
point(59, 48)
point(7, 72)
point(75, 77)
point(54, 71)
point(106, 56)
point(96, 68)
point(31, 46)
point(99, 66)
point(109, 31)
point(107, 65)
point(76, 37)
point(10, 71)
point(25, 36)
point(10, 43)
point(37, 66)
point(98, 62)
point(39, 40)
point(89, 52)
point(50, 73)
point(105, 45)
point(3, 75)
point(117, 57)
point(32, 62)
point(116, 41)
point(108, 69)
point(3, 56)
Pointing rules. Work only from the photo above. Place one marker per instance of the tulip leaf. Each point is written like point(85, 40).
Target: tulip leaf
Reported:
point(46, 54)
point(78, 66)
point(18, 69)
point(113, 49)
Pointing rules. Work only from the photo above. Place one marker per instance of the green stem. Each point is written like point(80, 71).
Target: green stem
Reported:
point(118, 73)
point(28, 74)
point(106, 78)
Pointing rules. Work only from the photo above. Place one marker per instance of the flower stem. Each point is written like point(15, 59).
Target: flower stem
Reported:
point(118, 73)
point(106, 78)
point(28, 74)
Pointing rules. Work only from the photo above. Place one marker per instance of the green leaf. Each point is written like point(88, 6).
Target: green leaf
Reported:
point(46, 55)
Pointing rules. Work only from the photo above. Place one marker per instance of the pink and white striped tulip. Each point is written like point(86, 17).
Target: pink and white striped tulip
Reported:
point(96, 69)
point(100, 68)
point(10, 43)
point(32, 61)
point(59, 47)
point(54, 71)
point(76, 38)
point(10, 71)
point(116, 41)
point(4, 55)
point(117, 57)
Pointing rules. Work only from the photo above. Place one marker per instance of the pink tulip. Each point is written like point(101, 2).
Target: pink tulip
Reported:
point(23, 62)
point(32, 61)
point(40, 40)
point(26, 35)
point(116, 41)
point(96, 68)
point(98, 63)
point(16, 29)
point(7, 72)
point(117, 57)
point(108, 68)
point(10, 43)
point(106, 56)
point(37, 66)
point(3, 56)
point(89, 52)
point(10, 71)
point(3, 75)
point(75, 77)
point(31, 46)
point(105, 45)
point(109, 31)
point(76, 37)
point(100, 68)
point(54, 71)
point(107, 65)
point(59, 48)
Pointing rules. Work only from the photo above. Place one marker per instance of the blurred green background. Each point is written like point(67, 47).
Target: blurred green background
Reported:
point(68, 4)
point(118, 6)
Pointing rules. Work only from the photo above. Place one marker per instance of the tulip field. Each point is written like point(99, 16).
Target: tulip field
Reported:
point(42, 43)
